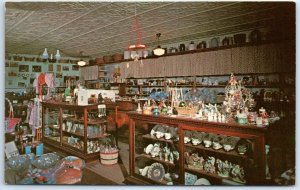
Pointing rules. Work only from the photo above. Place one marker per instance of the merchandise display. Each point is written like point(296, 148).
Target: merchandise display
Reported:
point(87, 103)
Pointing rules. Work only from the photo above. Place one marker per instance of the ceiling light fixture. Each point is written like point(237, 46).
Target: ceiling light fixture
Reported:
point(136, 49)
point(158, 51)
point(81, 62)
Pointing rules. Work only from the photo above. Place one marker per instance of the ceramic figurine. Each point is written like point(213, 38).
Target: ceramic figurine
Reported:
point(268, 174)
point(171, 158)
point(223, 168)
point(238, 174)
point(170, 110)
point(167, 153)
point(209, 165)
point(100, 98)
point(139, 109)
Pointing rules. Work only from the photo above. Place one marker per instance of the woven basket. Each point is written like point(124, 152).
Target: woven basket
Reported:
point(18, 58)
point(108, 59)
point(64, 60)
point(30, 59)
point(99, 60)
point(110, 158)
point(118, 57)
point(186, 110)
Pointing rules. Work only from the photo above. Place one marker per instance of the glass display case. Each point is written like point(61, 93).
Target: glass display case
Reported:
point(176, 150)
point(74, 129)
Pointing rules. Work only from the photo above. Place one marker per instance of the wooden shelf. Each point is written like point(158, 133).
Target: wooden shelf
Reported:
point(203, 173)
point(205, 86)
point(202, 50)
point(148, 136)
point(220, 151)
point(52, 127)
point(81, 135)
point(151, 181)
point(155, 159)
point(91, 122)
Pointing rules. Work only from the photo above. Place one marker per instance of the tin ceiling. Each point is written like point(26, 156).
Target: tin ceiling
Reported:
point(103, 28)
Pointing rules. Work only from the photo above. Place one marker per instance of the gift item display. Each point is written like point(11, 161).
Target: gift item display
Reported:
point(46, 169)
point(185, 106)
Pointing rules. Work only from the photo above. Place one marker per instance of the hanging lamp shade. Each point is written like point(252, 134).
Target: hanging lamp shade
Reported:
point(136, 27)
point(158, 51)
point(81, 63)
point(135, 49)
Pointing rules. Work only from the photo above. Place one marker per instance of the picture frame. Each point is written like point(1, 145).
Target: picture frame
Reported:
point(75, 67)
point(23, 68)
point(50, 68)
point(58, 75)
point(66, 68)
point(21, 84)
point(58, 68)
point(37, 68)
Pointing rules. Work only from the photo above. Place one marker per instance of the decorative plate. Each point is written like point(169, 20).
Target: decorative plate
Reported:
point(202, 181)
point(156, 172)
point(190, 179)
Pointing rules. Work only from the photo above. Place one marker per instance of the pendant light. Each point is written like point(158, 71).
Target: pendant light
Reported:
point(81, 62)
point(158, 51)
point(136, 50)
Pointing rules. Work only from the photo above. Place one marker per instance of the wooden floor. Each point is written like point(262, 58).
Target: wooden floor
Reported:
point(97, 174)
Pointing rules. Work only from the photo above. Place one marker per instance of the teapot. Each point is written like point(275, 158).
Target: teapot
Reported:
point(201, 45)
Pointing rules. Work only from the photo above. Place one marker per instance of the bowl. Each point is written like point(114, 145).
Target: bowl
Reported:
point(46, 161)
point(19, 164)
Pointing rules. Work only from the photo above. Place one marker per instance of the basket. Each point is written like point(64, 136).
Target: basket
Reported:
point(186, 110)
point(99, 60)
point(108, 59)
point(118, 57)
point(109, 158)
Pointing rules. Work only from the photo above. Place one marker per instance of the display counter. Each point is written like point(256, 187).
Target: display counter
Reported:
point(209, 157)
point(74, 129)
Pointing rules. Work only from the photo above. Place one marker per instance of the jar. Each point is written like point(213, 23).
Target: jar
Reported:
point(173, 50)
point(181, 47)
point(192, 46)
point(201, 45)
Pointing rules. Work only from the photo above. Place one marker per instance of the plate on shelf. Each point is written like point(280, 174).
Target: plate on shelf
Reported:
point(190, 179)
point(202, 181)
point(156, 172)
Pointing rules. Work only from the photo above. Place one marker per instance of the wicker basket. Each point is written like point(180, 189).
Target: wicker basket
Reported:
point(108, 59)
point(109, 158)
point(186, 110)
point(118, 57)
point(99, 60)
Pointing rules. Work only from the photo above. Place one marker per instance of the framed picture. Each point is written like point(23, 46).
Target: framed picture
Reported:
point(31, 80)
point(23, 68)
point(36, 68)
point(50, 67)
point(65, 68)
point(14, 64)
point(58, 68)
point(21, 84)
point(58, 75)
point(75, 67)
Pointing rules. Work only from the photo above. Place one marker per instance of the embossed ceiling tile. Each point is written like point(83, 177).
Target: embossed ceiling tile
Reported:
point(52, 6)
